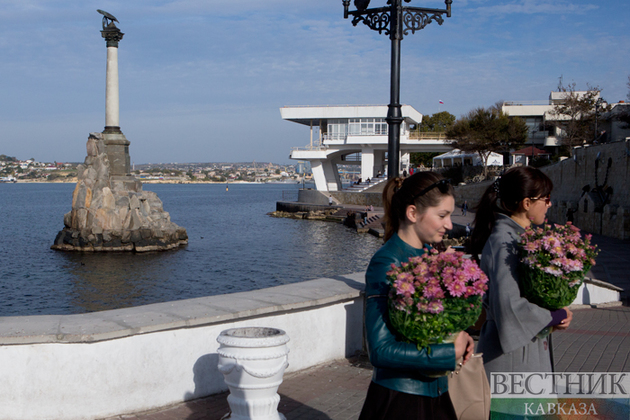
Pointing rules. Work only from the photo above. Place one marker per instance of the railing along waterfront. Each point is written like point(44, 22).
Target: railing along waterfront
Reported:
point(313, 148)
point(415, 135)
point(525, 103)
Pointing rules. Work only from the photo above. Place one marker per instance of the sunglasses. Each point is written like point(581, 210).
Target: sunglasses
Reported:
point(442, 185)
point(547, 199)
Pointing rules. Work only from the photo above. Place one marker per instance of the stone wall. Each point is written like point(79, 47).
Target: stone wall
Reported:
point(312, 197)
point(113, 213)
point(581, 190)
point(471, 193)
point(571, 175)
point(359, 198)
point(591, 189)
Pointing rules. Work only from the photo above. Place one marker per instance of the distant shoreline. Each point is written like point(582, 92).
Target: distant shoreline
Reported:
point(157, 181)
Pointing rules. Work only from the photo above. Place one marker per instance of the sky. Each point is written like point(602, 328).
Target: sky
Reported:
point(203, 80)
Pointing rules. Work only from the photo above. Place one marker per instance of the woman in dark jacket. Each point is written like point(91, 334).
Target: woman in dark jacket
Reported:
point(418, 213)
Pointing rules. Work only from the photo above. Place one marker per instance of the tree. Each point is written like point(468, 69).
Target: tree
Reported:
point(438, 123)
point(575, 116)
point(488, 130)
point(5, 158)
point(423, 158)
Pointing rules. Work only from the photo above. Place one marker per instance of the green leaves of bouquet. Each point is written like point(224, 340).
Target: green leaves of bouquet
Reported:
point(434, 296)
point(554, 260)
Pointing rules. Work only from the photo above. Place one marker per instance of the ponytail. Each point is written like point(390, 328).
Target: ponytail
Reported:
point(399, 193)
point(392, 222)
point(505, 196)
point(485, 216)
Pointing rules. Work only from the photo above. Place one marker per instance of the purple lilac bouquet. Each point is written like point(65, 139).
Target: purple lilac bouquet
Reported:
point(554, 260)
point(434, 296)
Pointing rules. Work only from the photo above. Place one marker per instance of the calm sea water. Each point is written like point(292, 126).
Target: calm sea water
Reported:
point(233, 246)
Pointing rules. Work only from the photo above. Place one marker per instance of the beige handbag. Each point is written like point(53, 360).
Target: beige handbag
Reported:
point(470, 391)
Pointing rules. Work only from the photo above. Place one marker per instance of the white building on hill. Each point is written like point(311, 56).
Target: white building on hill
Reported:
point(543, 134)
point(355, 135)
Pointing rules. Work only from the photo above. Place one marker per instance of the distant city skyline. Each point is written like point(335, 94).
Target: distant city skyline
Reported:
point(203, 81)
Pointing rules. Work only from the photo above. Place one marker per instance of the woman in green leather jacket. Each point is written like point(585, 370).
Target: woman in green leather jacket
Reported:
point(418, 213)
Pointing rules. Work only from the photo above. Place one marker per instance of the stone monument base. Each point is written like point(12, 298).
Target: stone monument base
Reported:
point(140, 240)
point(113, 213)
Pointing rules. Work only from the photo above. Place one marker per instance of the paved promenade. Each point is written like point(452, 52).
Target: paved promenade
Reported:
point(598, 341)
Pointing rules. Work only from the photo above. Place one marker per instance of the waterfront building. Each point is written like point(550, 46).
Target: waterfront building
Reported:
point(537, 115)
point(543, 134)
point(356, 135)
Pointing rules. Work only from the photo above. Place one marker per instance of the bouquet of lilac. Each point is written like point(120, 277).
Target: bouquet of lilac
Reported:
point(434, 296)
point(554, 260)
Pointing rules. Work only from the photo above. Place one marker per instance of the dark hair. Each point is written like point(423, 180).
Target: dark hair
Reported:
point(399, 193)
point(505, 196)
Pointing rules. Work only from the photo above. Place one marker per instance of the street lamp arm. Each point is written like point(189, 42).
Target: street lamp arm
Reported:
point(415, 18)
point(376, 19)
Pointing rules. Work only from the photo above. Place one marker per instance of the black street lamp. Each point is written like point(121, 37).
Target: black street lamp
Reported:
point(394, 20)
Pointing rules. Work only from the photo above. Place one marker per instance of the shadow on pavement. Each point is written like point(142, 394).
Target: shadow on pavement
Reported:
point(216, 407)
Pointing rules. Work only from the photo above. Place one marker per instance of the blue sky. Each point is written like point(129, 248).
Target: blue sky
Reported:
point(203, 80)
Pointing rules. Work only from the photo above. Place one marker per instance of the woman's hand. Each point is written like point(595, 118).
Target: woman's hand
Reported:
point(464, 346)
point(564, 324)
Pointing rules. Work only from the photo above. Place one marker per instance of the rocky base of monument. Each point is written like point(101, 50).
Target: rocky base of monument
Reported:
point(140, 240)
point(112, 213)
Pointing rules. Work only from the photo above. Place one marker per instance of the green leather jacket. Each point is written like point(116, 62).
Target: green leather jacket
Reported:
point(398, 365)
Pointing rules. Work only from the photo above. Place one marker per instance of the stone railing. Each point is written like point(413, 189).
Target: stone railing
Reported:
point(110, 363)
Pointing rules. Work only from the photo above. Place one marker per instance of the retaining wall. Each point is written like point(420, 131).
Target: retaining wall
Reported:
point(360, 198)
point(569, 177)
point(109, 363)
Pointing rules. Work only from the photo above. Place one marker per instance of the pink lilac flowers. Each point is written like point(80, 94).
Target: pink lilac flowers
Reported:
point(554, 260)
point(434, 295)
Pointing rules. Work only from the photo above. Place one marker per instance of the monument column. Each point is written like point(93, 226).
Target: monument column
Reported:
point(115, 141)
point(112, 104)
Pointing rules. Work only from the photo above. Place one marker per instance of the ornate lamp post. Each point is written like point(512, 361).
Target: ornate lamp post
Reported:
point(394, 20)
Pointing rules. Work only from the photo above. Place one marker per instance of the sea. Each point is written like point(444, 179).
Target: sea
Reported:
point(234, 246)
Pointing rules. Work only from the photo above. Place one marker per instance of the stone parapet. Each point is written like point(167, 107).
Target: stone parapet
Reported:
point(359, 198)
point(112, 363)
point(591, 189)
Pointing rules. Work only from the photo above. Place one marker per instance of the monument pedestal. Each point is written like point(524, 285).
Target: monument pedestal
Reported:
point(111, 212)
point(117, 147)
